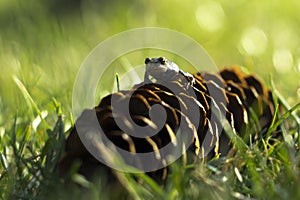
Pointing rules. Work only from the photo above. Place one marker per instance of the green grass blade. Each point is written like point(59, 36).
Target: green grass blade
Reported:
point(283, 117)
point(30, 101)
point(118, 84)
point(284, 102)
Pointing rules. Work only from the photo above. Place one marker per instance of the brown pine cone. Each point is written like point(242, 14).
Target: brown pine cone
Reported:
point(194, 112)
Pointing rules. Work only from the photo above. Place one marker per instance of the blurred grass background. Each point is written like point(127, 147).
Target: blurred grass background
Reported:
point(43, 42)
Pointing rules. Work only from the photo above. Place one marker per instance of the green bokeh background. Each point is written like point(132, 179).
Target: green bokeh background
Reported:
point(43, 42)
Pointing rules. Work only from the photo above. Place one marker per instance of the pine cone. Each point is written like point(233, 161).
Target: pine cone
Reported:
point(194, 111)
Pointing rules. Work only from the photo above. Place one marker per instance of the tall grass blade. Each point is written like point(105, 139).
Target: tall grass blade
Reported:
point(30, 101)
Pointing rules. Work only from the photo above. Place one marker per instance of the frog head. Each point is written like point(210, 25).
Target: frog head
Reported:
point(156, 65)
point(160, 68)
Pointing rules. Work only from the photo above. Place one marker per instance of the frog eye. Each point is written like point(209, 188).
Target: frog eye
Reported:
point(162, 60)
point(147, 60)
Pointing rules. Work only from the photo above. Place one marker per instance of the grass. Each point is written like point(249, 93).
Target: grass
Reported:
point(43, 43)
point(266, 170)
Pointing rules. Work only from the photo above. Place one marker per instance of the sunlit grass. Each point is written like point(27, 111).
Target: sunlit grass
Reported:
point(265, 170)
point(43, 43)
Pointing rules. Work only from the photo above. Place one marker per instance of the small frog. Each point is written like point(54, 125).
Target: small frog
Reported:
point(163, 70)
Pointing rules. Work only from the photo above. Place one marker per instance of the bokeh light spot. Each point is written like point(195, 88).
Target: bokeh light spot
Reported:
point(282, 60)
point(210, 16)
point(254, 41)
